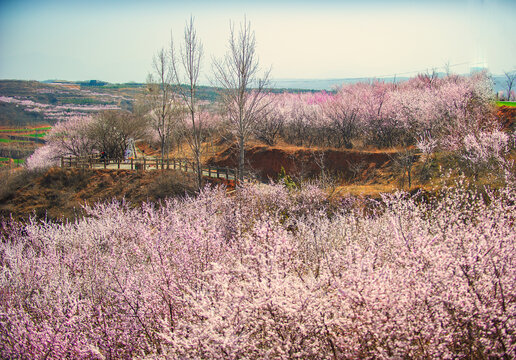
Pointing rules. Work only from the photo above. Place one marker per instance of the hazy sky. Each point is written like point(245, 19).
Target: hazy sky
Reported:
point(116, 40)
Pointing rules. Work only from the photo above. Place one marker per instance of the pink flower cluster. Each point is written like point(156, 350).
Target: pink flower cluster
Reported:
point(44, 157)
point(486, 149)
point(66, 138)
point(266, 273)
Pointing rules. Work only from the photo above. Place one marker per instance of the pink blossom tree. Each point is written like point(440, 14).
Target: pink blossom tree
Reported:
point(66, 138)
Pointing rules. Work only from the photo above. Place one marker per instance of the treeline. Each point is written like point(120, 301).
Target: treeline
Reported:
point(383, 114)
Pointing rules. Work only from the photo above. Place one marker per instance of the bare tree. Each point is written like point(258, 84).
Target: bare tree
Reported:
point(243, 94)
point(164, 111)
point(111, 130)
point(509, 82)
point(344, 116)
point(269, 127)
point(186, 67)
point(447, 67)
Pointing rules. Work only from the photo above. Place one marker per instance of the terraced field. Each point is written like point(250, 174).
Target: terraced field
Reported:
point(16, 143)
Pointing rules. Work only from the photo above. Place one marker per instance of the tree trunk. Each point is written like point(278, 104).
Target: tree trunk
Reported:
point(241, 159)
point(199, 171)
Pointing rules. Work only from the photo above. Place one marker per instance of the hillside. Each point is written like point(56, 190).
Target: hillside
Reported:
point(30, 103)
point(60, 193)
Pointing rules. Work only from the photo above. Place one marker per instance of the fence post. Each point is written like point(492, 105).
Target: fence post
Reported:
point(227, 173)
point(218, 172)
point(157, 163)
point(62, 162)
point(144, 163)
point(105, 163)
point(131, 163)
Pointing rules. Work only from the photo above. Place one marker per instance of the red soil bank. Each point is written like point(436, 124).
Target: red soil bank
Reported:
point(267, 161)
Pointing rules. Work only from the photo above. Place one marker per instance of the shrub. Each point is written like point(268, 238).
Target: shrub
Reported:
point(12, 180)
point(171, 183)
point(485, 151)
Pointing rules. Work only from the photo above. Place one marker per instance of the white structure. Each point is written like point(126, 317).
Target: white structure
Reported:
point(130, 151)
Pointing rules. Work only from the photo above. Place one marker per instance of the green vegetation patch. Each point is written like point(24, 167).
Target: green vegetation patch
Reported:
point(12, 141)
point(16, 161)
point(506, 103)
point(46, 128)
point(37, 135)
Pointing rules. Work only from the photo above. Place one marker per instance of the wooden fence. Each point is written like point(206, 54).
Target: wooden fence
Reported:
point(145, 164)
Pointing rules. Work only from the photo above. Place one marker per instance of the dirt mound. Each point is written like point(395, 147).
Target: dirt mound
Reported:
point(147, 150)
point(507, 116)
point(267, 161)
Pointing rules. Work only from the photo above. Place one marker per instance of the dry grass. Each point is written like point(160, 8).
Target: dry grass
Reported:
point(368, 190)
point(60, 193)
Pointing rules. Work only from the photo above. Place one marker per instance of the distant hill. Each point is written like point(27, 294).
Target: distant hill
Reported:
point(280, 84)
point(322, 84)
point(25, 103)
point(331, 84)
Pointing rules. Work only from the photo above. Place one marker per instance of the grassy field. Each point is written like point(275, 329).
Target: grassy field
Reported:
point(506, 103)
point(7, 162)
point(37, 135)
point(13, 141)
point(25, 146)
point(38, 132)
point(16, 161)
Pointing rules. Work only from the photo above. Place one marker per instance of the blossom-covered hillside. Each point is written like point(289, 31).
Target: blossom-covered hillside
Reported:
point(266, 273)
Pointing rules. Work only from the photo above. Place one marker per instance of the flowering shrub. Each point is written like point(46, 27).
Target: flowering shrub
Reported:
point(265, 273)
point(485, 151)
point(69, 137)
point(43, 157)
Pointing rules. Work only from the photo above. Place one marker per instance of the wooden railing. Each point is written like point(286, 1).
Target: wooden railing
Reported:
point(145, 164)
